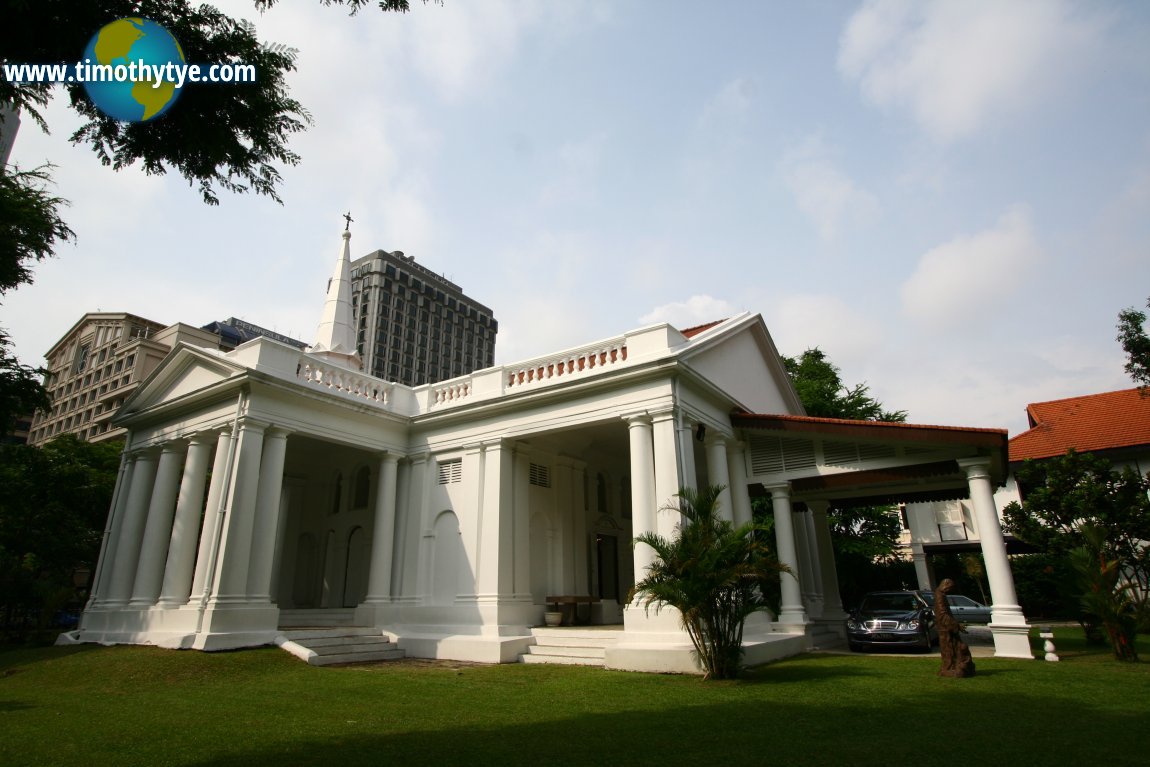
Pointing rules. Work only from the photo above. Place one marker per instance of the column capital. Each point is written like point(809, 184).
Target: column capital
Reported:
point(205, 437)
point(277, 432)
point(663, 413)
point(386, 456)
point(253, 425)
point(779, 490)
point(174, 446)
point(641, 418)
point(977, 467)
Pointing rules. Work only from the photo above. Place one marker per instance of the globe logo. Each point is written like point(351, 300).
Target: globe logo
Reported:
point(120, 45)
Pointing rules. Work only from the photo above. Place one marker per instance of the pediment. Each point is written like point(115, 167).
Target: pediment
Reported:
point(744, 363)
point(184, 371)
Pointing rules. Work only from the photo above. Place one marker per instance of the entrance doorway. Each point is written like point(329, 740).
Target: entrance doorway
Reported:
point(607, 558)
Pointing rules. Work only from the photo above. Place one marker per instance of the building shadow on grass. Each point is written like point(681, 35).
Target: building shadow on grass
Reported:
point(799, 730)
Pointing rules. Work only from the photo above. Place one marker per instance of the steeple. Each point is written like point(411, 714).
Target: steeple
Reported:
point(335, 337)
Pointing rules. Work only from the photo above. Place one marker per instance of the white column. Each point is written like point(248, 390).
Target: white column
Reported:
point(643, 503)
point(158, 530)
point(236, 541)
point(494, 565)
point(791, 610)
point(737, 468)
point(809, 561)
point(403, 534)
point(685, 435)
point(565, 515)
point(383, 532)
point(579, 528)
point(186, 527)
point(921, 571)
point(265, 529)
point(718, 474)
point(113, 530)
point(832, 598)
point(212, 508)
point(132, 531)
point(419, 571)
point(521, 525)
point(1008, 624)
point(667, 479)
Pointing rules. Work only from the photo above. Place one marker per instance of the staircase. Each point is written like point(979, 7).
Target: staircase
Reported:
point(345, 644)
point(571, 646)
point(311, 618)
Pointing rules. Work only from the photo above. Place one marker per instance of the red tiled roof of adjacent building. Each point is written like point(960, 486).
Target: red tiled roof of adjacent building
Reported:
point(1106, 421)
point(697, 329)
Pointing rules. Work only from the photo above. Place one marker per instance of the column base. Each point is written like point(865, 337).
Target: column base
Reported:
point(1011, 641)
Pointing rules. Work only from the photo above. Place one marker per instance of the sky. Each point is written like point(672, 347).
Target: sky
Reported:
point(950, 199)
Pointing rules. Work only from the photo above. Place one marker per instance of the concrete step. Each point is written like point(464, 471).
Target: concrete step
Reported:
point(304, 635)
point(570, 646)
point(311, 618)
point(351, 644)
point(567, 650)
point(561, 660)
point(357, 657)
point(336, 646)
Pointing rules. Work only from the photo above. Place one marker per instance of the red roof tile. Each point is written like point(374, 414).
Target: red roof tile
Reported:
point(1104, 421)
point(697, 329)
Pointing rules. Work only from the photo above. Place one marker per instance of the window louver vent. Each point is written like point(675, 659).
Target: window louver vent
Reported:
point(540, 475)
point(450, 472)
point(774, 455)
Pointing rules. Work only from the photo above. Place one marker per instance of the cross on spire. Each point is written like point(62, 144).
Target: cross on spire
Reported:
point(347, 217)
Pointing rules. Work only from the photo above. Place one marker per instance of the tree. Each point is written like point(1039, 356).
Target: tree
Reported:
point(53, 503)
point(824, 395)
point(1071, 494)
point(1136, 344)
point(30, 227)
point(714, 574)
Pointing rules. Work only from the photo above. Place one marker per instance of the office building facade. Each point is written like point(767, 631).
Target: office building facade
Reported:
point(414, 326)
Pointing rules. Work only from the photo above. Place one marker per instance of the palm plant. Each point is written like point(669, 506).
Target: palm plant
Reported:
point(713, 573)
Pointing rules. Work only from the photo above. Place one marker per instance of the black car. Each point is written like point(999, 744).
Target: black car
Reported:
point(891, 619)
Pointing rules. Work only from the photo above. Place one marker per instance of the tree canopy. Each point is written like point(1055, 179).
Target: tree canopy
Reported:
point(1136, 344)
point(824, 395)
point(1079, 503)
point(53, 503)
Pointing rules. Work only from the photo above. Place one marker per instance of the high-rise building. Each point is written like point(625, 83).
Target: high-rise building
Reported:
point(414, 326)
point(98, 363)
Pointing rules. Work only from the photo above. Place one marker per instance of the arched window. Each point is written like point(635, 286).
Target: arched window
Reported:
point(337, 496)
point(361, 495)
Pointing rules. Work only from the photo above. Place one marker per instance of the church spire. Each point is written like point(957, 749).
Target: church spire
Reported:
point(335, 337)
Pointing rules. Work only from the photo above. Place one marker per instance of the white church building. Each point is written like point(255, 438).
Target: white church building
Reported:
point(264, 487)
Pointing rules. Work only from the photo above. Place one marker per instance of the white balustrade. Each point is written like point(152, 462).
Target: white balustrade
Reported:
point(346, 381)
point(451, 392)
point(569, 364)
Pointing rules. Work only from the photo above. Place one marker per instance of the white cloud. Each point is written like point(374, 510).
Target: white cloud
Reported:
point(963, 280)
point(823, 192)
point(955, 63)
point(696, 310)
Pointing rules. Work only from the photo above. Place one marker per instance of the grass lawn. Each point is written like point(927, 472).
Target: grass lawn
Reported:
point(143, 706)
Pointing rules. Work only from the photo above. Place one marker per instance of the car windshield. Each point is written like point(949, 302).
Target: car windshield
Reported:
point(890, 602)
